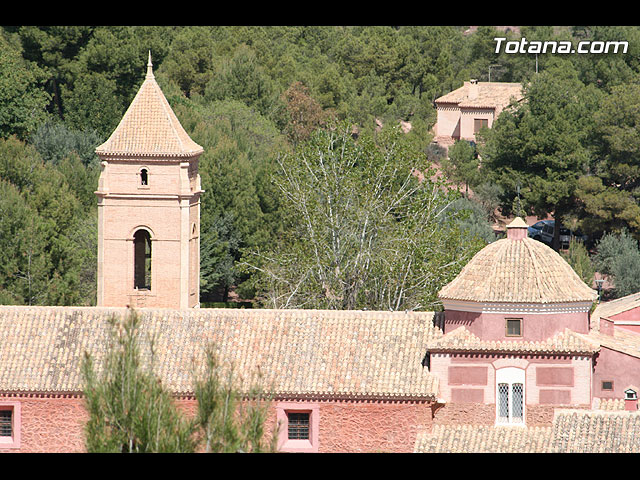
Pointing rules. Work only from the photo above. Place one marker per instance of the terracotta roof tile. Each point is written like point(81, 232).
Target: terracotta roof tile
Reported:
point(614, 307)
point(565, 342)
point(489, 94)
point(299, 352)
point(518, 271)
point(622, 340)
point(149, 127)
point(573, 431)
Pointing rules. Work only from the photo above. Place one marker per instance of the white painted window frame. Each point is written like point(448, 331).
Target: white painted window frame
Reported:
point(510, 376)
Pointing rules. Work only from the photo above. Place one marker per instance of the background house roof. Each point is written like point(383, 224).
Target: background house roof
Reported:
point(298, 352)
point(149, 127)
point(488, 95)
point(614, 307)
point(518, 271)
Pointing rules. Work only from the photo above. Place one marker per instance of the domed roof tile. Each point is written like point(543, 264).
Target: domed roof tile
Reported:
point(517, 269)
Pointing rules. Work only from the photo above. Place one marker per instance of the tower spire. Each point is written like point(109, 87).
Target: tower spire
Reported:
point(149, 67)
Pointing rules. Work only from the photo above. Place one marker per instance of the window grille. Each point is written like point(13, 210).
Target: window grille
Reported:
point(298, 425)
point(516, 405)
point(6, 428)
point(503, 402)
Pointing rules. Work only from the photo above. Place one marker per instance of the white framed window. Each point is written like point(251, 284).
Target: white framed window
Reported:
point(510, 396)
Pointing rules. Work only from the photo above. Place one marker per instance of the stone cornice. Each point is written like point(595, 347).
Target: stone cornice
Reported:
point(514, 308)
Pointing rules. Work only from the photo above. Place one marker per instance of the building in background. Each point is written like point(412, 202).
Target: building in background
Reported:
point(463, 112)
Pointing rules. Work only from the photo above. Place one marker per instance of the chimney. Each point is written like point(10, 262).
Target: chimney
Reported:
point(630, 400)
point(473, 89)
point(517, 230)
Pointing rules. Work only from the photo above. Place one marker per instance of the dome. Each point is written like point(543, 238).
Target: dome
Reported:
point(518, 269)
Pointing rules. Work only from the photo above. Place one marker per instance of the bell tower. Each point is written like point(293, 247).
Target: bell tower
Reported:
point(149, 208)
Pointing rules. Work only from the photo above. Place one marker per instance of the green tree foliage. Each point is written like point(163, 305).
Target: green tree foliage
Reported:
point(362, 229)
point(618, 256)
point(578, 257)
point(462, 165)
point(240, 205)
point(22, 100)
point(609, 199)
point(570, 146)
point(129, 409)
point(41, 218)
point(540, 148)
point(230, 422)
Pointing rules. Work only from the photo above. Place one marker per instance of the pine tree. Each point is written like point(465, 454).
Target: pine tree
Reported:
point(130, 411)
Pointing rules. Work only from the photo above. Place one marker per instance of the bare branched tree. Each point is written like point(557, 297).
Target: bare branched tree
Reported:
point(368, 227)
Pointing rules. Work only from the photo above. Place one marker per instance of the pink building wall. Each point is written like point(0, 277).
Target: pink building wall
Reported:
point(49, 424)
point(56, 424)
point(612, 366)
point(549, 380)
point(535, 327)
point(632, 316)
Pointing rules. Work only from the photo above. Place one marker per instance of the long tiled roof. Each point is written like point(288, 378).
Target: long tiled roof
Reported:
point(565, 342)
point(150, 127)
point(573, 431)
point(518, 271)
point(351, 354)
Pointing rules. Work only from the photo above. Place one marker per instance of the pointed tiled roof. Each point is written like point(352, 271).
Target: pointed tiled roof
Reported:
point(149, 127)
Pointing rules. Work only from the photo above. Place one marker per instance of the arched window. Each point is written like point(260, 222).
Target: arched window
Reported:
point(142, 260)
point(144, 177)
point(510, 396)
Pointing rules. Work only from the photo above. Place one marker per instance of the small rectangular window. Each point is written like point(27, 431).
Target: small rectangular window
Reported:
point(607, 385)
point(298, 425)
point(514, 327)
point(6, 423)
point(479, 123)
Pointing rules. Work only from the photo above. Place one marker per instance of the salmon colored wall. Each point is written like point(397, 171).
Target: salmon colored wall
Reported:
point(623, 370)
point(535, 327)
point(485, 414)
point(51, 425)
point(57, 424)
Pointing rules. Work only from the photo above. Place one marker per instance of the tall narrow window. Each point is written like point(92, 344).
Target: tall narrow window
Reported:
point(510, 396)
point(144, 177)
point(142, 260)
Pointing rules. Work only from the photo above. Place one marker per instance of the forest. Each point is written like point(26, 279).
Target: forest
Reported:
point(318, 168)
